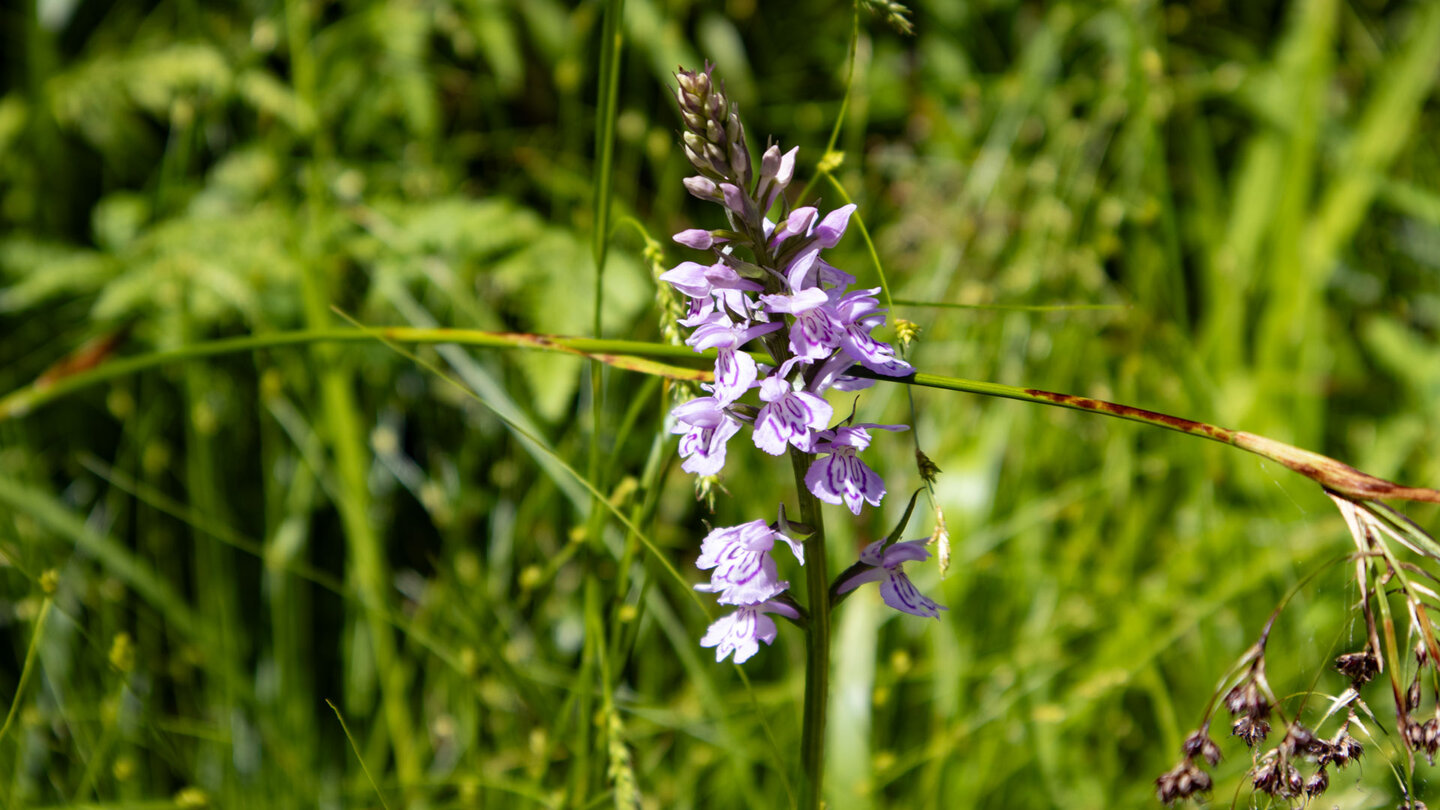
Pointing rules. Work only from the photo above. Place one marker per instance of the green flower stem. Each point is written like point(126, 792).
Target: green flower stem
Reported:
point(817, 641)
point(640, 357)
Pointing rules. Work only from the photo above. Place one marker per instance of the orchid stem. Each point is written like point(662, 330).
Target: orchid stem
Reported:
point(817, 641)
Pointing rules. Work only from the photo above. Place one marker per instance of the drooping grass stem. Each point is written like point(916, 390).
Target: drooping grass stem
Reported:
point(641, 356)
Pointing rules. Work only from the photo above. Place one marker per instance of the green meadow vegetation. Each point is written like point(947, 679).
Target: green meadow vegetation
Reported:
point(254, 557)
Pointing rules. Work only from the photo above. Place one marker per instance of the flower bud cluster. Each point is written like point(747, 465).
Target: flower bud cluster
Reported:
point(766, 282)
point(714, 138)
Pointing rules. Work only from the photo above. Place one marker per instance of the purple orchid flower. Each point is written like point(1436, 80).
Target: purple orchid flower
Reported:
point(735, 370)
point(789, 416)
point(858, 313)
point(744, 571)
point(706, 426)
point(841, 477)
point(815, 332)
point(742, 631)
point(895, 588)
point(698, 280)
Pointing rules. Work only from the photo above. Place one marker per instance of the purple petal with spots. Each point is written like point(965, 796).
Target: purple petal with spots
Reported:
point(877, 356)
point(899, 593)
point(743, 576)
point(843, 478)
point(741, 633)
point(789, 419)
point(895, 587)
point(735, 372)
point(813, 335)
point(706, 427)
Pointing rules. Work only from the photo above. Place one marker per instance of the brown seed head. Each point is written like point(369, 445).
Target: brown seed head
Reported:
point(1199, 744)
point(1181, 782)
point(1344, 749)
point(1317, 784)
point(1246, 699)
point(1266, 777)
point(1298, 740)
point(1414, 735)
point(1359, 667)
point(1251, 730)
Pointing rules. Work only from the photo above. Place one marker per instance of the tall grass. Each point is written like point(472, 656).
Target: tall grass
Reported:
point(1222, 211)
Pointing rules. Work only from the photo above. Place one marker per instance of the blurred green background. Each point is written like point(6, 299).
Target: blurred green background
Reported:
point(1247, 189)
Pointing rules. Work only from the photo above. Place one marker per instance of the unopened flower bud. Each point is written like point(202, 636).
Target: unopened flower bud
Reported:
point(702, 187)
point(697, 238)
point(734, 198)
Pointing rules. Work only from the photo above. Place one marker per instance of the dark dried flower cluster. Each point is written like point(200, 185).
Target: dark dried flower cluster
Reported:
point(1184, 781)
point(1247, 703)
point(1278, 771)
point(1420, 737)
point(1187, 779)
point(1360, 667)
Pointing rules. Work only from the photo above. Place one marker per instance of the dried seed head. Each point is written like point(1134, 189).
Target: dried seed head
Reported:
point(1412, 804)
point(1412, 695)
point(1183, 781)
point(1298, 740)
point(1317, 784)
point(1359, 667)
point(1422, 653)
point(1251, 730)
point(1294, 783)
point(1199, 744)
point(1246, 699)
point(1266, 777)
point(929, 471)
point(1414, 735)
point(1344, 749)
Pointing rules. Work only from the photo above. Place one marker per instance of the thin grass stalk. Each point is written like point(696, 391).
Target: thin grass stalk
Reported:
point(367, 561)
